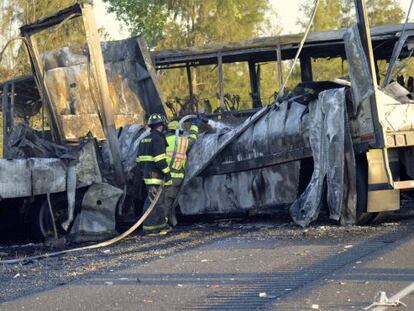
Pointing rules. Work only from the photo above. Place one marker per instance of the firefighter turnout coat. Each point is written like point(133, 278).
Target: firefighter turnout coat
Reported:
point(153, 160)
point(178, 166)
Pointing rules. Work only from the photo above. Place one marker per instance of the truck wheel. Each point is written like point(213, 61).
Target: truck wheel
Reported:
point(362, 217)
point(41, 222)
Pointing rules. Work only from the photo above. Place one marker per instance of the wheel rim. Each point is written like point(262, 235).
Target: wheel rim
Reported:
point(45, 222)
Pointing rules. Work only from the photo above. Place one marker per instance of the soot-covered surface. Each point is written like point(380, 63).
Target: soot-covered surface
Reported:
point(283, 134)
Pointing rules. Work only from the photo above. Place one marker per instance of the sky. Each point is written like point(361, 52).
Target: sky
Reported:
point(287, 17)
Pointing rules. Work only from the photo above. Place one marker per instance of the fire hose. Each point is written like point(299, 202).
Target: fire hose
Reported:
point(94, 246)
point(117, 238)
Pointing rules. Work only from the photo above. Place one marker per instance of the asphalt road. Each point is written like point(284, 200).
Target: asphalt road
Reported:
point(226, 266)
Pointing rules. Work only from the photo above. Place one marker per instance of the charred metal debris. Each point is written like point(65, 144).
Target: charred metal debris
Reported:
point(299, 153)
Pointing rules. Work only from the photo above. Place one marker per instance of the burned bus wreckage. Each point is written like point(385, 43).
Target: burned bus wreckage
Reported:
point(345, 144)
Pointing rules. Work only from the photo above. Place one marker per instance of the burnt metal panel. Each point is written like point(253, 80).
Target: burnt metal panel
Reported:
point(97, 218)
point(362, 85)
point(15, 179)
point(327, 138)
point(51, 20)
point(41, 175)
point(132, 85)
point(87, 169)
point(278, 132)
point(48, 175)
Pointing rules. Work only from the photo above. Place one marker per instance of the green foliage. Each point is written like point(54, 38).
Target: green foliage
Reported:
point(16, 13)
point(178, 23)
point(336, 14)
point(142, 17)
point(329, 16)
point(181, 23)
point(380, 12)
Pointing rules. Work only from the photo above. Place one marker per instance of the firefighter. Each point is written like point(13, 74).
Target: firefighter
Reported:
point(195, 128)
point(153, 164)
point(177, 167)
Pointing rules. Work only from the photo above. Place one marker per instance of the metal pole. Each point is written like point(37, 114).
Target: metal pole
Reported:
point(190, 88)
point(306, 69)
point(104, 101)
point(190, 81)
point(4, 108)
point(11, 111)
point(397, 49)
point(7, 109)
point(280, 69)
point(254, 85)
point(220, 79)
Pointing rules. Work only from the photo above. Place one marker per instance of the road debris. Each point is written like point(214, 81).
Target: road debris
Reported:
point(265, 295)
point(381, 300)
point(315, 307)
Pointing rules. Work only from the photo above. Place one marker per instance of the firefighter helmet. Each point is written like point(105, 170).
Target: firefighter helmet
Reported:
point(173, 125)
point(155, 119)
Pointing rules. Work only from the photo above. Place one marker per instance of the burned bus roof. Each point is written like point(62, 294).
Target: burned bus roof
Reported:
point(318, 45)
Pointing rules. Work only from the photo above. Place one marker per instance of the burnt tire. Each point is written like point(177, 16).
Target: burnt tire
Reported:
point(41, 221)
point(362, 217)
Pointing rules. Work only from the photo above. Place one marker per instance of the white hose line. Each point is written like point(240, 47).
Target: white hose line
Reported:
point(302, 43)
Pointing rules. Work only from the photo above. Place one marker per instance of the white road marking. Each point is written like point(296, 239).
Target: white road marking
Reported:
point(398, 296)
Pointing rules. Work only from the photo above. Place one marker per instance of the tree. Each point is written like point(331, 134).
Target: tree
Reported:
point(380, 12)
point(329, 15)
point(16, 13)
point(190, 22)
point(182, 23)
point(336, 14)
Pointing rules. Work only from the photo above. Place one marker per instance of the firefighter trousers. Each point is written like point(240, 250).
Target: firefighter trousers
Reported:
point(170, 195)
point(157, 220)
